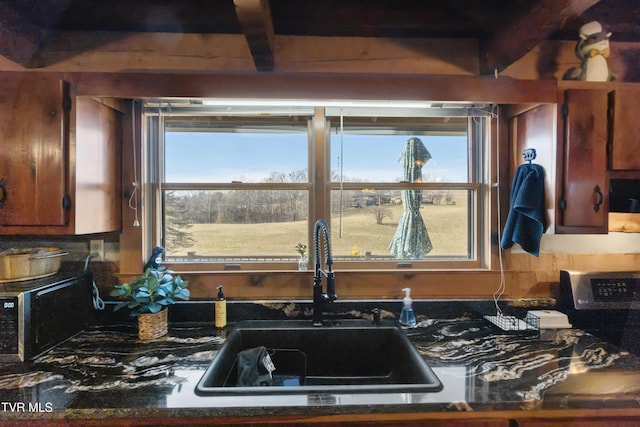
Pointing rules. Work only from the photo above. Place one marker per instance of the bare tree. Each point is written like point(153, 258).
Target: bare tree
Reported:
point(380, 213)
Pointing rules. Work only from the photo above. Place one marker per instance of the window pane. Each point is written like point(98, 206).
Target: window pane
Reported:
point(226, 217)
point(371, 157)
point(234, 225)
point(369, 221)
point(198, 157)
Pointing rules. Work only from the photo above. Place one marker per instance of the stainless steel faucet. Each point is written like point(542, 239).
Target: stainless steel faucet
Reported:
point(319, 298)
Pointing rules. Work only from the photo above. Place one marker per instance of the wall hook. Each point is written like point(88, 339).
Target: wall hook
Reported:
point(529, 154)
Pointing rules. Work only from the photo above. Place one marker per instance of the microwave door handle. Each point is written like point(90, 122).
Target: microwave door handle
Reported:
point(35, 320)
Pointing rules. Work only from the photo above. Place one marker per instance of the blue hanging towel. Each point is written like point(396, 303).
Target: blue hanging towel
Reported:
point(526, 220)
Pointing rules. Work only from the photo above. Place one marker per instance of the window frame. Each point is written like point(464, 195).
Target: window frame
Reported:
point(319, 190)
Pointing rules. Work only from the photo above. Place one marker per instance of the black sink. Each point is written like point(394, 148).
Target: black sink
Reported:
point(351, 356)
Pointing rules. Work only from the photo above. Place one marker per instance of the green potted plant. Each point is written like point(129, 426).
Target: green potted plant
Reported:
point(301, 248)
point(148, 296)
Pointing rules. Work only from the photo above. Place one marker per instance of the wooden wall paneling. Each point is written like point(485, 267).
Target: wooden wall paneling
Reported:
point(8, 65)
point(110, 51)
point(118, 52)
point(130, 243)
point(169, 52)
point(499, 157)
point(528, 277)
point(551, 59)
point(304, 86)
point(624, 222)
point(499, 49)
point(537, 275)
point(376, 55)
point(293, 285)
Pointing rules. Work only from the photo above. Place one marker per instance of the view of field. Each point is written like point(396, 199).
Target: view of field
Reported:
point(447, 225)
point(253, 224)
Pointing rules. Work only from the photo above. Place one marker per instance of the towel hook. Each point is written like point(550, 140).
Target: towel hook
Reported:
point(529, 154)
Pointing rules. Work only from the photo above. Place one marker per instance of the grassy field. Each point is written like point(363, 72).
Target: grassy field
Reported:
point(447, 226)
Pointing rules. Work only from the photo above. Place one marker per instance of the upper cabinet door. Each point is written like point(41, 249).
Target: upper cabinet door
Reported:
point(97, 167)
point(582, 156)
point(625, 138)
point(34, 120)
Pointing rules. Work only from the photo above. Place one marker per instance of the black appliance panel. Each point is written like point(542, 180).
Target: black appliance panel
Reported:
point(615, 290)
point(605, 304)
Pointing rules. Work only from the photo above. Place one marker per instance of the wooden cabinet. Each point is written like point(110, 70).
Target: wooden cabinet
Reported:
point(624, 152)
point(60, 162)
point(582, 161)
point(34, 123)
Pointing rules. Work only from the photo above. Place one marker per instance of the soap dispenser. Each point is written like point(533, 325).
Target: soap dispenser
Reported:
point(407, 316)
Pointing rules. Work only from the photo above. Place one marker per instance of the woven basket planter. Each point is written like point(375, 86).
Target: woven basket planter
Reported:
point(152, 325)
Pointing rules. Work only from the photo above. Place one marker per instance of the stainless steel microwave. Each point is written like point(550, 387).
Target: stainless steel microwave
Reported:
point(36, 315)
point(624, 195)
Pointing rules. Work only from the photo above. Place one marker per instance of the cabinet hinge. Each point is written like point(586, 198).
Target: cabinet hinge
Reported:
point(65, 91)
point(66, 202)
point(563, 204)
point(66, 103)
point(3, 190)
point(564, 110)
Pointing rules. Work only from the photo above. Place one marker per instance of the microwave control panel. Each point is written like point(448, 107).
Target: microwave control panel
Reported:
point(9, 336)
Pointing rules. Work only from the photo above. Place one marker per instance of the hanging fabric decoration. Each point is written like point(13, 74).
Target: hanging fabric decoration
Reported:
point(411, 240)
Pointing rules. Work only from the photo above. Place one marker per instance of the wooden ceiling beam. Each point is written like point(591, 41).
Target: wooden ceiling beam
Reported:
point(257, 25)
point(23, 29)
point(517, 37)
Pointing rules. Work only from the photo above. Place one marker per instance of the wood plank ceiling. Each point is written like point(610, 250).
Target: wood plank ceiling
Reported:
point(504, 30)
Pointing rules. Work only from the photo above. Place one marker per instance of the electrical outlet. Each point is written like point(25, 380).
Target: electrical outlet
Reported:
point(97, 246)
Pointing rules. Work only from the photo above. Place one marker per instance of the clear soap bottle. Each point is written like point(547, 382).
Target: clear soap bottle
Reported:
point(407, 316)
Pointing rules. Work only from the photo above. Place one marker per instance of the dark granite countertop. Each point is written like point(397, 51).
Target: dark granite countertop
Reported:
point(107, 372)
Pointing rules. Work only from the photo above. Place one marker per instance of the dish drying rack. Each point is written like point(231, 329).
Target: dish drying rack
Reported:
point(535, 320)
point(511, 323)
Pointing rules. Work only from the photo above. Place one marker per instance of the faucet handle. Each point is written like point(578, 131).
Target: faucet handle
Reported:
point(331, 287)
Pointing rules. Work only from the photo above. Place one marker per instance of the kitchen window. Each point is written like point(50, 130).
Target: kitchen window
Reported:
point(240, 186)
